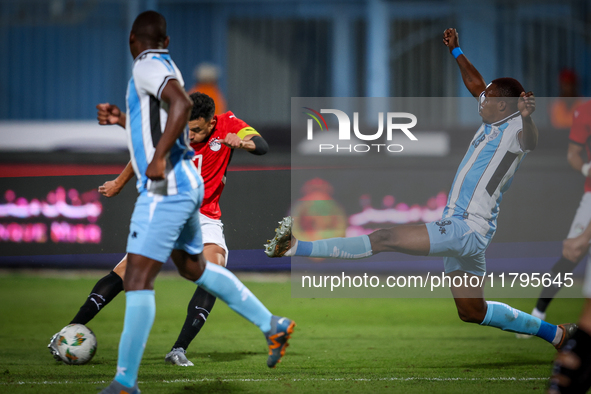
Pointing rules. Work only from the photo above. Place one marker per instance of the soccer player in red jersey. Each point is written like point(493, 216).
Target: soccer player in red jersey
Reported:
point(214, 139)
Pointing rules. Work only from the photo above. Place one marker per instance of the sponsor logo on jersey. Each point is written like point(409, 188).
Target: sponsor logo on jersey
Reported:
point(493, 134)
point(479, 140)
point(215, 145)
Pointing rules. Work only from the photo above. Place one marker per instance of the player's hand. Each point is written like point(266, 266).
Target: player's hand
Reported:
point(232, 141)
point(155, 170)
point(450, 39)
point(108, 114)
point(575, 248)
point(526, 104)
point(110, 188)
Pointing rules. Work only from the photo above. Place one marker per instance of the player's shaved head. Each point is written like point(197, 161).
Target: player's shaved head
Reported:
point(150, 28)
point(508, 87)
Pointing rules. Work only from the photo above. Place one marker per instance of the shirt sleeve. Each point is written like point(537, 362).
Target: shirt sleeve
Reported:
point(580, 129)
point(513, 129)
point(238, 126)
point(152, 74)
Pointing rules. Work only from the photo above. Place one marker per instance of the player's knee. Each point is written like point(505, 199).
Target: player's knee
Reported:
point(189, 276)
point(141, 273)
point(384, 239)
point(193, 267)
point(190, 273)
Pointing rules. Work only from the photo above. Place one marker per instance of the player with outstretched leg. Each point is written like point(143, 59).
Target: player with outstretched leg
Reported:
point(462, 236)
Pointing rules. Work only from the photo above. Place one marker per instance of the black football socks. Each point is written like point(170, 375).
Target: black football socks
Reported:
point(197, 313)
point(103, 292)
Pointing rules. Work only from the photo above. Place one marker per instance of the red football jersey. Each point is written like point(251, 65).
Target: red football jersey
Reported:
point(212, 159)
point(580, 133)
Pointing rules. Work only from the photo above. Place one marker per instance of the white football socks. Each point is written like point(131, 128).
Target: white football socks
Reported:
point(558, 336)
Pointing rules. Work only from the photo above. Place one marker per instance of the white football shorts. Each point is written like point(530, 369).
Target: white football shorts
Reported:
point(212, 232)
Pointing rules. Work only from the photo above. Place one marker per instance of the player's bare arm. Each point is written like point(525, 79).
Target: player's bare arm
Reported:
point(233, 141)
point(179, 109)
point(574, 156)
point(109, 114)
point(247, 143)
point(528, 137)
point(470, 75)
point(114, 187)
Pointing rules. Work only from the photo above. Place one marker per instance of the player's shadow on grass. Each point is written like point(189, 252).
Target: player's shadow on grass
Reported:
point(215, 357)
point(218, 357)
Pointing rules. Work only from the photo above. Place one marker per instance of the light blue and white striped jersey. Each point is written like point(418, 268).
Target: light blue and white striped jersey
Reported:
point(485, 173)
point(146, 119)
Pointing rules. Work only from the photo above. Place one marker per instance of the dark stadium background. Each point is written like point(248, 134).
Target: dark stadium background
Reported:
point(64, 57)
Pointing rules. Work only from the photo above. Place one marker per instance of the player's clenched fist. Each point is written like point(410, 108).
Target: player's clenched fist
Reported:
point(108, 114)
point(232, 141)
point(527, 103)
point(110, 188)
point(156, 168)
point(450, 38)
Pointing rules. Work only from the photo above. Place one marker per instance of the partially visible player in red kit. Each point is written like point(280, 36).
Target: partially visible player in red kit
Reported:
point(214, 139)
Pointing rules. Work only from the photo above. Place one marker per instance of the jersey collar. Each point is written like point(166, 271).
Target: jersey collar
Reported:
point(500, 122)
point(160, 51)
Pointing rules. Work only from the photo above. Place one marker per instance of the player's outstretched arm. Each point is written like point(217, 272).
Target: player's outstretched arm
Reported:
point(470, 75)
point(179, 109)
point(528, 137)
point(252, 143)
point(256, 144)
point(114, 187)
point(109, 114)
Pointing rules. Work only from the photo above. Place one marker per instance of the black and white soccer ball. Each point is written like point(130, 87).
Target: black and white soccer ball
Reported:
point(76, 344)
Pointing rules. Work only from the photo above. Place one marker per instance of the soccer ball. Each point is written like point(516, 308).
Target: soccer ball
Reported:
point(76, 344)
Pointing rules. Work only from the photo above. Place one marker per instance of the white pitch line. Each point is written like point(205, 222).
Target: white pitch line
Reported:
point(394, 379)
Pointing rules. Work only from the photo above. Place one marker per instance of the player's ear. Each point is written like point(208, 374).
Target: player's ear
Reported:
point(502, 105)
point(166, 42)
point(213, 121)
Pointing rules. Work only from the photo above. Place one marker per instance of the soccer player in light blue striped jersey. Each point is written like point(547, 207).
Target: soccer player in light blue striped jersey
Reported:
point(469, 220)
point(165, 220)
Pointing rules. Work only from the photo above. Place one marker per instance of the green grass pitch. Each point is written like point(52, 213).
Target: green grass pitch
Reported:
point(340, 345)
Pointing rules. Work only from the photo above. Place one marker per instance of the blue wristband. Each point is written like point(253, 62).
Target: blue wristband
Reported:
point(457, 52)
